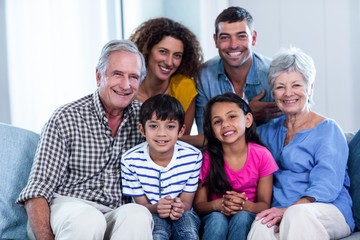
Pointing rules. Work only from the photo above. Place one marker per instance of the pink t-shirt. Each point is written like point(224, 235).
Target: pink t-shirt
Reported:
point(259, 163)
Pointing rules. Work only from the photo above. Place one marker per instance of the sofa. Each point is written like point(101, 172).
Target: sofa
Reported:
point(17, 150)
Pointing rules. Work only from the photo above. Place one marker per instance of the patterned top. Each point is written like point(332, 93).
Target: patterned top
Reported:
point(77, 155)
point(141, 176)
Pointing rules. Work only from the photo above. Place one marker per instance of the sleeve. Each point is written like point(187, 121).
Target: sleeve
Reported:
point(50, 162)
point(268, 164)
point(131, 185)
point(326, 178)
point(201, 100)
point(192, 183)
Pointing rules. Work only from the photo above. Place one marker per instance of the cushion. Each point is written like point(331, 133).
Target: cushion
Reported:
point(17, 152)
point(354, 174)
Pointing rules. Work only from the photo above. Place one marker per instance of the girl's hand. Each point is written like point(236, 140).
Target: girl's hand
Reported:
point(164, 207)
point(177, 209)
point(234, 202)
point(271, 217)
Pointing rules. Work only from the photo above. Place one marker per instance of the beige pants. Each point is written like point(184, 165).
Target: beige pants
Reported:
point(73, 218)
point(316, 221)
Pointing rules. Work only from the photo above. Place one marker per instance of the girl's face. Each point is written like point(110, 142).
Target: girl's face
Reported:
point(165, 58)
point(229, 122)
point(290, 93)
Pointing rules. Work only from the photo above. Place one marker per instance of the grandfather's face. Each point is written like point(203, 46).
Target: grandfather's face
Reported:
point(120, 82)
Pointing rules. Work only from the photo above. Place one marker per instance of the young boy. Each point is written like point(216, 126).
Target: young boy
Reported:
point(162, 173)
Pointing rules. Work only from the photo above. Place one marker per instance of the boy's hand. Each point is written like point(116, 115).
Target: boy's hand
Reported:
point(177, 209)
point(164, 207)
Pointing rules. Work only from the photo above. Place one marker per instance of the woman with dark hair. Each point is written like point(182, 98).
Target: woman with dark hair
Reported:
point(236, 175)
point(173, 59)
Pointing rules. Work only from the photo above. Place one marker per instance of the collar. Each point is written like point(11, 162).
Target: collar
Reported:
point(252, 76)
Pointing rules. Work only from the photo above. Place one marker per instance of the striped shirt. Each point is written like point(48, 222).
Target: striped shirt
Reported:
point(77, 155)
point(141, 176)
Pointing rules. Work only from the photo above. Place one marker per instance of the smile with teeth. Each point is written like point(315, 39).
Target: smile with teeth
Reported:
point(161, 141)
point(228, 133)
point(290, 101)
point(235, 54)
point(165, 69)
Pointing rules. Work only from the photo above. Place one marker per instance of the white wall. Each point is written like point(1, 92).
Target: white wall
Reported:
point(328, 30)
point(53, 48)
point(4, 86)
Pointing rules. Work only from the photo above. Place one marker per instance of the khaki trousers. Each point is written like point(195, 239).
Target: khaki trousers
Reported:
point(73, 218)
point(315, 221)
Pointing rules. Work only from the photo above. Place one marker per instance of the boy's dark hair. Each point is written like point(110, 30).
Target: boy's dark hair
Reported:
point(234, 14)
point(164, 107)
point(217, 181)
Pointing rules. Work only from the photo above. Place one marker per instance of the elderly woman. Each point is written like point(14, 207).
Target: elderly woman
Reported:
point(310, 192)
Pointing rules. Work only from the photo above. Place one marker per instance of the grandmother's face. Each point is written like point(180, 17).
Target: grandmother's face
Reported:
point(291, 93)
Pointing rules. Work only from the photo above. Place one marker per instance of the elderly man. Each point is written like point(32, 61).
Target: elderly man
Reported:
point(74, 189)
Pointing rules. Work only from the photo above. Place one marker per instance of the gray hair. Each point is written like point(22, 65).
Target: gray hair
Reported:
point(121, 46)
point(292, 59)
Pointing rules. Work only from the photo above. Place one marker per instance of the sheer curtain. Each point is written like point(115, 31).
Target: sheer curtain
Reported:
point(53, 47)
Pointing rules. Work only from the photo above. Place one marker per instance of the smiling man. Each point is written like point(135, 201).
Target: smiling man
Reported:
point(238, 68)
point(74, 189)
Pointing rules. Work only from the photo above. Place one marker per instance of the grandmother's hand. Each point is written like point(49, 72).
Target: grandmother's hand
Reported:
point(271, 217)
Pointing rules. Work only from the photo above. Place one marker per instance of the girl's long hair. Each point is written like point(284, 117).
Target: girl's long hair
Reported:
point(217, 180)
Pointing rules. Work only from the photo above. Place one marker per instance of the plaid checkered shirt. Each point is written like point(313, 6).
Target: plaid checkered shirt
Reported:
point(77, 155)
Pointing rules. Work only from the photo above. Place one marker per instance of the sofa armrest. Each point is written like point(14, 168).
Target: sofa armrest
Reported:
point(17, 152)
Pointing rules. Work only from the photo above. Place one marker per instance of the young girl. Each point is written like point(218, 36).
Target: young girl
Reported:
point(236, 175)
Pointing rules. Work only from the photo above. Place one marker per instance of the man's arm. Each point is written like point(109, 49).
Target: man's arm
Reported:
point(200, 102)
point(38, 212)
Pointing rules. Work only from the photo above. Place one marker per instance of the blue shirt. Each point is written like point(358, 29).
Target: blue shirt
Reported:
point(313, 164)
point(214, 81)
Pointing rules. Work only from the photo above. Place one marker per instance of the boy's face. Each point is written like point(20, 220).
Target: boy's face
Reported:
point(161, 135)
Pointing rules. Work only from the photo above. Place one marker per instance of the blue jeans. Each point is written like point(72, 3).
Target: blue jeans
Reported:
point(217, 226)
point(187, 227)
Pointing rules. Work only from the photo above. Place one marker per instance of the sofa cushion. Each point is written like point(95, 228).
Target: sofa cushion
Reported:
point(17, 152)
point(354, 174)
